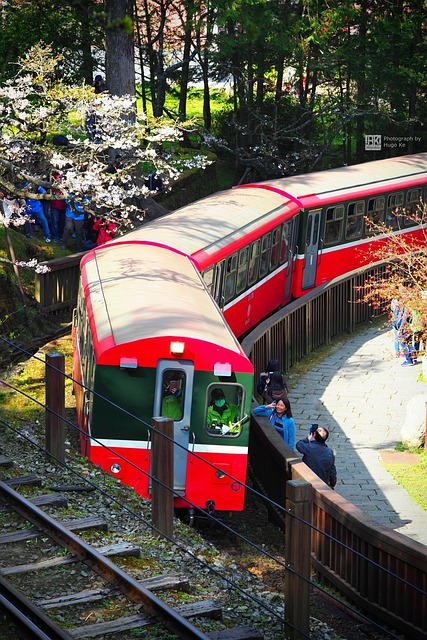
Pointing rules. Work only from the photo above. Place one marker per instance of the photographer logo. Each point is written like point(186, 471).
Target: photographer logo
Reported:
point(373, 143)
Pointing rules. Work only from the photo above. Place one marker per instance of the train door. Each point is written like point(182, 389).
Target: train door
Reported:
point(288, 252)
point(172, 398)
point(311, 247)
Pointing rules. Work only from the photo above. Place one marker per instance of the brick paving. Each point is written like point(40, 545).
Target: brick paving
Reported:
point(360, 393)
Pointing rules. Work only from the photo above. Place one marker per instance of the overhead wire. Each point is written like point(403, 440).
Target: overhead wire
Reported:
point(261, 496)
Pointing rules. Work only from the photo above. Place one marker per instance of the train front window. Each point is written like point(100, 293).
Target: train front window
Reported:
point(334, 224)
point(225, 404)
point(173, 393)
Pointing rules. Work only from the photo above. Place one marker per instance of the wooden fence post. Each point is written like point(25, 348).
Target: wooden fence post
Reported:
point(55, 406)
point(298, 556)
point(162, 476)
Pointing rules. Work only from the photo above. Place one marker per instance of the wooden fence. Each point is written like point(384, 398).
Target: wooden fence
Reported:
point(56, 290)
point(380, 571)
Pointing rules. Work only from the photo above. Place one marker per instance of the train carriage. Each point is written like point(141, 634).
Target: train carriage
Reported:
point(260, 245)
point(150, 341)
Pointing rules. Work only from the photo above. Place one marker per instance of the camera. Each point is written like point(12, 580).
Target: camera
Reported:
point(314, 427)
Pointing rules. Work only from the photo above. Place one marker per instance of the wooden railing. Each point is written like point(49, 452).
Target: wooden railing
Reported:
point(56, 290)
point(378, 570)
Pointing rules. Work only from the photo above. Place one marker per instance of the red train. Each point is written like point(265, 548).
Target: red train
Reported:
point(260, 245)
point(146, 324)
point(150, 341)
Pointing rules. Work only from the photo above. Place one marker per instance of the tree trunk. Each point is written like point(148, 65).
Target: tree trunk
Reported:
point(182, 109)
point(120, 66)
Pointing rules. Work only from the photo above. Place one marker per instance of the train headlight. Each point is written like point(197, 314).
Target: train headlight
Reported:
point(115, 468)
point(177, 348)
point(220, 474)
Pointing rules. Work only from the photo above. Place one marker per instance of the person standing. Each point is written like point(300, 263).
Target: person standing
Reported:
point(74, 221)
point(318, 456)
point(280, 416)
point(172, 400)
point(265, 379)
point(34, 210)
point(57, 211)
point(276, 389)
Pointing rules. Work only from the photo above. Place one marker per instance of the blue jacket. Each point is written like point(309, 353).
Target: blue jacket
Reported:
point(320, 458)
point(284, 426)
point(74, 210)
point(34, 206)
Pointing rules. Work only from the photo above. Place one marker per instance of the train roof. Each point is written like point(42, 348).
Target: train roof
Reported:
point(378, 174)
point(214, 222)
point(134, 295)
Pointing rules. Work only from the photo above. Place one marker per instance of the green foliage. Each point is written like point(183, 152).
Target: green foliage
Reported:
point(66, 27)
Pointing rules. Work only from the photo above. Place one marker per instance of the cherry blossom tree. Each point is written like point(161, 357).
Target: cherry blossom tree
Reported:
point(405, 275)
point(35, 105)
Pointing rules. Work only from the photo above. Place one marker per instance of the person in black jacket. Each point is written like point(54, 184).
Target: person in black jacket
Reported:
point(275, 389)
point(318, 456)
point(265, 379)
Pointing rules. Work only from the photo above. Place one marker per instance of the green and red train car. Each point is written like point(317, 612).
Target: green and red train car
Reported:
point(144, 319)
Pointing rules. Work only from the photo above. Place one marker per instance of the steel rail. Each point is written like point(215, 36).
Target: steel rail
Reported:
point(102, 566)
point(28, 615)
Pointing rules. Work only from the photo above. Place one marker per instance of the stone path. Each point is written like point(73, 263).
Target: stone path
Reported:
point(360, 394)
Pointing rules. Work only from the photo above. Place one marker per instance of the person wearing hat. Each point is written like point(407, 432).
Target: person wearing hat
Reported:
point(221, 415)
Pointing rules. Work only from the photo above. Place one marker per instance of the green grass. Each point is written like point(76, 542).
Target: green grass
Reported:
point(413, 478)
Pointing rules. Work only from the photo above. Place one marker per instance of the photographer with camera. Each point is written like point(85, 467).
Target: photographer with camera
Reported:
point(317, 455)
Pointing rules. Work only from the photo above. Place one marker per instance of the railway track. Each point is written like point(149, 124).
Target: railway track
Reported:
point(93, 596)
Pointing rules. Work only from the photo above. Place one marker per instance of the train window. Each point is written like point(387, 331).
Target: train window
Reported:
point(230, 277)
point(414, 207)
point(254, 262)
point(173, 386)
point(375, 214)
point(208, 277)
point(355, 213)
point(275, 248)
point(242, 270)
point(284, 249)
point(224, 409)
point(394, 210)
point(265, 255)
point(334, 224)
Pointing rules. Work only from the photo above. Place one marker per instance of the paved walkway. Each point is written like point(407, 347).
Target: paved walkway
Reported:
point(360, 393)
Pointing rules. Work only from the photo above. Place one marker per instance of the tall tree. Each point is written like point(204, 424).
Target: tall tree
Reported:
point(119, 49)
point(73, 27)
